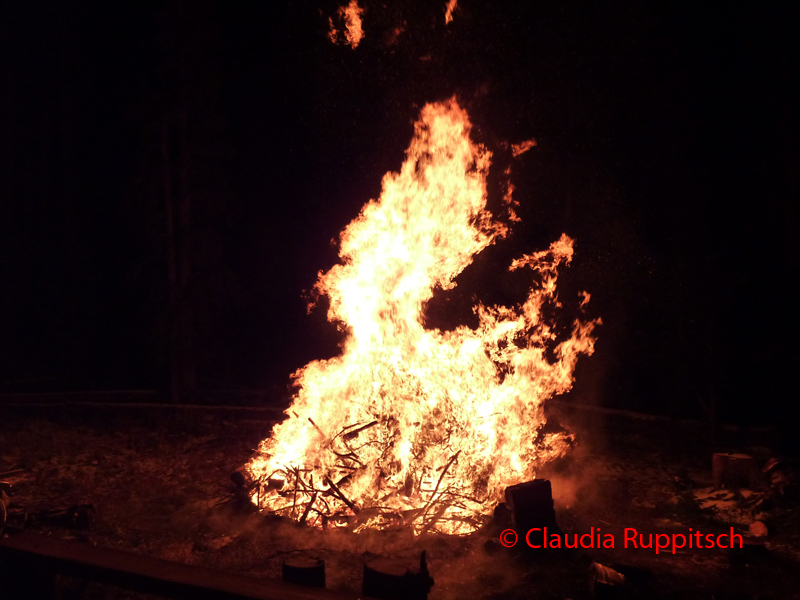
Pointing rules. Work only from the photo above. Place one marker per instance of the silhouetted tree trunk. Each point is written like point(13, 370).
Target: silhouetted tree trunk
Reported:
point(195, 151)
point(178, 208)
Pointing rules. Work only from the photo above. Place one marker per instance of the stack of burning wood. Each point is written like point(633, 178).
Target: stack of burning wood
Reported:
point(431, 500)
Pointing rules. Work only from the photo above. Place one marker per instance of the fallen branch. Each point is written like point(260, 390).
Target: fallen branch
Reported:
point(352, 434)
point(349, 456)
point(436, 516)
point(341, 496)
point(439, 482)
point(11, 472)
point(308, 508)
point(296, 483)
point(319, 431)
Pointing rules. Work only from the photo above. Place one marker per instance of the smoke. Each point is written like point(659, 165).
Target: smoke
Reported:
point(565, 490)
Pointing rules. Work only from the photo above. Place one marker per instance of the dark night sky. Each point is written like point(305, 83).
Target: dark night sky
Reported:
point(668, 147)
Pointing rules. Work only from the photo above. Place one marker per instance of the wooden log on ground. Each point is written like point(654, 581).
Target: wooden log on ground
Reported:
point(735, 471)
point(531, 506)
point(301, 570)
point(397, 579)
point(29, 563)
point(78, 516)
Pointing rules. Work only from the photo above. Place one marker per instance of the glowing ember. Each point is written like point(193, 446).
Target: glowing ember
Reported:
point(522, 147)
point(415, 426)
point(332, 32)
point(451, 6)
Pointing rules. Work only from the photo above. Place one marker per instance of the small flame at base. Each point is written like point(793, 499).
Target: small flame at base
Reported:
point(416, 426)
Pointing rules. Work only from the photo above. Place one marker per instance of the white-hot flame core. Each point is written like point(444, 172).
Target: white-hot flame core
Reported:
point(453, 417)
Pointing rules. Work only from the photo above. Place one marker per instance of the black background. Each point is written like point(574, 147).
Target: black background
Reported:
point(667, 147)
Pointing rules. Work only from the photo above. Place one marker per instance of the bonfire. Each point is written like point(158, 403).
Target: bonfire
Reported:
point(410, 426)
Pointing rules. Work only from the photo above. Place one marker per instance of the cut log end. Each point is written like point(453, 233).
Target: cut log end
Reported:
point(735, 471)
point(531, 506)
point(301, 570)
point(397, 579)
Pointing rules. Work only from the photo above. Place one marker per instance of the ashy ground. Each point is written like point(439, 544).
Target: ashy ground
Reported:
point(162, 487)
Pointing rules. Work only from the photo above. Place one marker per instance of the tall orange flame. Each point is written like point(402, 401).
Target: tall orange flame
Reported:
point(412, 425)
point(352, 18)
point(448, 14)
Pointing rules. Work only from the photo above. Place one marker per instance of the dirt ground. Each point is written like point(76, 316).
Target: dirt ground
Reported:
point(162, 487)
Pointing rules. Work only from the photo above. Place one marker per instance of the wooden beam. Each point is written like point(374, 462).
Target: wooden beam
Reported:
point(29, 563)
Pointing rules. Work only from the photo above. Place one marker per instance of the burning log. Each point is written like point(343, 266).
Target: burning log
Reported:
point(304, 571)
point(307, 509)
point(341, 496)
point(397, 579)
point(351, 435)
point(319, 431)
